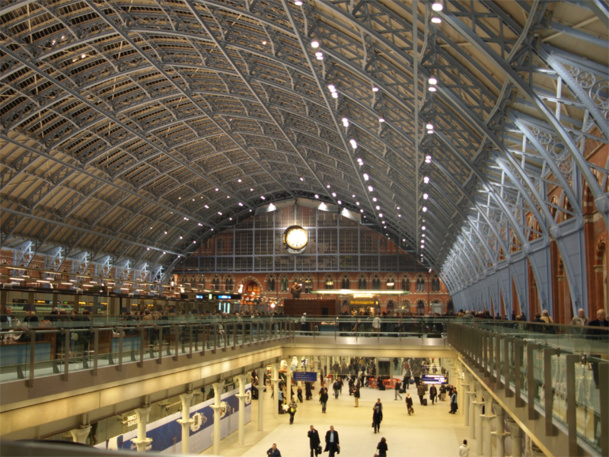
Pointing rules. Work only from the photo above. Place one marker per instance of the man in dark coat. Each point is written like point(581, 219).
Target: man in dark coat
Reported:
point(273, 451)
point(332, 442)
point(421, 392)
point(314, 440)
point(433, 393)
point(453, 402)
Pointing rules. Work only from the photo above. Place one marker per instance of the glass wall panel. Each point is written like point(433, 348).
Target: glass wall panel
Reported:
point(244, 243)
point(264, 242)
point(369, 262)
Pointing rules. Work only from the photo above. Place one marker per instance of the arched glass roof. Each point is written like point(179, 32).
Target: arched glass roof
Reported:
point(138, 129)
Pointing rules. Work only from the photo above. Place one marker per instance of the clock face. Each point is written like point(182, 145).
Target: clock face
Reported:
point(295, 238)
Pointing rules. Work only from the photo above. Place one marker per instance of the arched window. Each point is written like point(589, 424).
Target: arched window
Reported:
point(376, 282)
point(420, 284)
point(284, 283)
point(420, 307)
point(228, 283)
point(435, 284)
point(345, 282)
point(405, 283)
point(361, 283)
point(270, 284)
point(308, 285)
point(390, 284)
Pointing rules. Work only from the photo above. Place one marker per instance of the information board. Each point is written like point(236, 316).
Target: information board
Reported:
point(305, 376)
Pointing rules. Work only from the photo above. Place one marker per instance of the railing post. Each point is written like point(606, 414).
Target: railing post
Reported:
point(531, 381)
point(508, 343)
point(120, 348)
point(603, 384)
point(548, 391)
point(518, 351)
point(498, 340)
point(571, 418)
point(95, 351)
point(487, 346)
point(32, 361)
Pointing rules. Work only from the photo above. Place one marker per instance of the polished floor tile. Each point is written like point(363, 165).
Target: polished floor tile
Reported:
point(430, 432)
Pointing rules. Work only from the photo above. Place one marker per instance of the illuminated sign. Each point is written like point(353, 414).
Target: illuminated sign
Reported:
point(224, 297)
point(365, 302)
point(433, 379)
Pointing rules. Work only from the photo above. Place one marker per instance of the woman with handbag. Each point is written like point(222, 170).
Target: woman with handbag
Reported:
point(377, 417)
point(292, 410)
point(382, 448)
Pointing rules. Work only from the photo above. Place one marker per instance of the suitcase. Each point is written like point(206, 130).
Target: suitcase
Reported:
point(424, 402)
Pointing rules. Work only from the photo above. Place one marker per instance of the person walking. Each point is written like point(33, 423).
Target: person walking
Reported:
point(421, 392)
point(336, 387)
point(464, 449)
point(397, 387)
point(409, 404)
point(314, 441)
point(273, 451)
point(453, 402)
point(332, 442)
point(376, 325)
point(292, 410)
point(379, 404)
point(323, 398)
point(433, 393)
point(382, 448)
point(280, 402)
point(356, 394)
point(308, 390)
point(377, 418)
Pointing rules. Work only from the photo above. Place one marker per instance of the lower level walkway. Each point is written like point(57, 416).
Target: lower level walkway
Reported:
point(431, 431)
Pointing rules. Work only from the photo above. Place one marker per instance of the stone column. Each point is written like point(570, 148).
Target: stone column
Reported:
point(516, 433)
point(472, 411)
point(320, 374)
point(478, 424)
point(288, 383)
point(261, 388)
point(487, 419)
point(275, 381)
point(217, 407)
point(467, 398)
point(185, 421)
point(499, 432)
point(142, 420)
point(241, 396)
point(80, 435)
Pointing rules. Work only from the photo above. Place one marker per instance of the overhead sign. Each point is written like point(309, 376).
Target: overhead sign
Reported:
point(305, 376)
point(433, 379)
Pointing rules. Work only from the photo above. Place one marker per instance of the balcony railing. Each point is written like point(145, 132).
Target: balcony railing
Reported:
point(557, 371)
point(34, 352)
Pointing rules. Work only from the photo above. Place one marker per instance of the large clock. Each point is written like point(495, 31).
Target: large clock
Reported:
point(295, 239)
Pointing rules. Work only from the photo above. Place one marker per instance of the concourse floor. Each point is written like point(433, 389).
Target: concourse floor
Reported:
point(431, 431)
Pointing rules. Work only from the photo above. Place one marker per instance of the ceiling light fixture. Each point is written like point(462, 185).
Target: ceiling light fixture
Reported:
point(314, 44)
